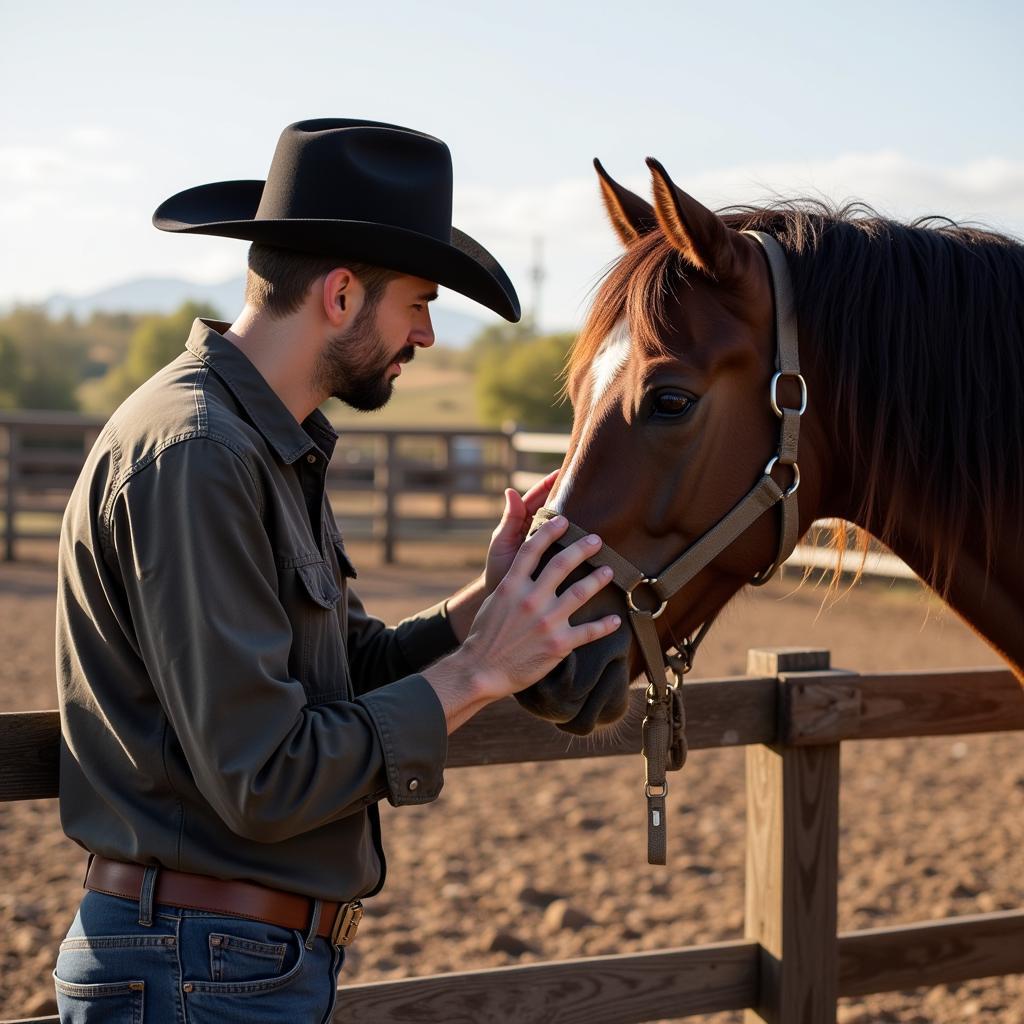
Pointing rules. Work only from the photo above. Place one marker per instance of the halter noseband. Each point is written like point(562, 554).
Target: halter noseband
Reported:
point(664, 741)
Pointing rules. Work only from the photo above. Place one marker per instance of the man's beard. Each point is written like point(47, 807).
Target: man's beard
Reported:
point(353, 366)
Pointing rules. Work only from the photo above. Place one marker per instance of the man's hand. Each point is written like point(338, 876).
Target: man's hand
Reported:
point(506, 540)
point(522, 630)
point(510, 533)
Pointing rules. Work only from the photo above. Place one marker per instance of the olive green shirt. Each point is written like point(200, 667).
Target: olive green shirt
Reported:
point(227, 705)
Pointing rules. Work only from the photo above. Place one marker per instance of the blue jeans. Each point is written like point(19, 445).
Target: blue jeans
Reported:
point(190, 967)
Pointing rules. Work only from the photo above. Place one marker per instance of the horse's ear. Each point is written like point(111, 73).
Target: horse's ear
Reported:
point(700, 235)
point(630, 215)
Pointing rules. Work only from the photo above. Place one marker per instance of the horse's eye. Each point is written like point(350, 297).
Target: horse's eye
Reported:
point(670, 403)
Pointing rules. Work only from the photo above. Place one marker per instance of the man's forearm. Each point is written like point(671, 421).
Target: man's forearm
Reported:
point(463, 606)
point(460, 687)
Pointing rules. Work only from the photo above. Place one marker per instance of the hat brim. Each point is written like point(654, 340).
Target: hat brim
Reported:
point(228, 209)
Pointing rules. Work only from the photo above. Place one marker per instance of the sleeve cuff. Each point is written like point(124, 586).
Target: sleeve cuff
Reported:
point(413, 733)
point(425, 637)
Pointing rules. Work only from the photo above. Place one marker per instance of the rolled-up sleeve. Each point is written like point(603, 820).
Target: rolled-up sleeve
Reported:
point(202, 590)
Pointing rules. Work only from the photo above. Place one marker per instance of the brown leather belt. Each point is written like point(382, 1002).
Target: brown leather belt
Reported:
point(338, 921)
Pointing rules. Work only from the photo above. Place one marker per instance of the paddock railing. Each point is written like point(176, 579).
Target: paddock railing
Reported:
point(792, 712)
point(388, 485)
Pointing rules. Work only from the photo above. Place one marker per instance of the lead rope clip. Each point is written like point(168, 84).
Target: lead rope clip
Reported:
point(664, 750)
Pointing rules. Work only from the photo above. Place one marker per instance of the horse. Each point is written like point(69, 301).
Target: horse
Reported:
point(911, 345)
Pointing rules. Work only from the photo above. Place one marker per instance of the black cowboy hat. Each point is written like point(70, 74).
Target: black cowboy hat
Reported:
point(360, 190)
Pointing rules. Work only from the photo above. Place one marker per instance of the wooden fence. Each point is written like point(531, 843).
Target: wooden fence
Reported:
point(388, 484)
point(792, 713)
point(385, 483)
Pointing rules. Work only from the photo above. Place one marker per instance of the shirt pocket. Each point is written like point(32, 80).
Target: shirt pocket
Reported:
point(318, 645)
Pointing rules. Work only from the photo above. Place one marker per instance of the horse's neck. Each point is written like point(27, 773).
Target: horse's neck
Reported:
point(992, 601)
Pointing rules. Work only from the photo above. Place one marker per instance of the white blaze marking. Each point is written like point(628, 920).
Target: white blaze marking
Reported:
point(608, 363)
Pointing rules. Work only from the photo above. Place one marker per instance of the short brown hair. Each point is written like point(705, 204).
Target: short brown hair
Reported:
point(279, 279)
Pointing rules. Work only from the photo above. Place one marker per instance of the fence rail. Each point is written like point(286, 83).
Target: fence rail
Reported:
point(42, 453)
point(792, 711)
point(388, 484)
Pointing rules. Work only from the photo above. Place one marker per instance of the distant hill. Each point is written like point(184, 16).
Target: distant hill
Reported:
point(166, 294)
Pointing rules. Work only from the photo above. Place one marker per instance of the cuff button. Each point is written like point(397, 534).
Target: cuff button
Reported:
point(413, 785)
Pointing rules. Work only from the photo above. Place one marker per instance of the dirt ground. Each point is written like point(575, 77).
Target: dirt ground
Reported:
point(514, 864)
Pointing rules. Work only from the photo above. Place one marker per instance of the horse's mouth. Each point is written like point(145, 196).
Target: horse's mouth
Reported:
point(563, 697)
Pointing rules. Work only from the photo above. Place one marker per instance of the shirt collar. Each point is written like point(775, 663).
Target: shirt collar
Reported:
point(269, 414)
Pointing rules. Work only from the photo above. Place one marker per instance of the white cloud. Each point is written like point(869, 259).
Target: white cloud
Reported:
point(569, 215)
point(54, 199)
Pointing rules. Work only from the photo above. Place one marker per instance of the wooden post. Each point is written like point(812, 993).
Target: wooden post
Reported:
point(386, 481)
point(449, 479)
point(793, 864)
point(10, 491)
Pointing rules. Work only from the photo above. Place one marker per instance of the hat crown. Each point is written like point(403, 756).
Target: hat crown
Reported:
point(350, 170)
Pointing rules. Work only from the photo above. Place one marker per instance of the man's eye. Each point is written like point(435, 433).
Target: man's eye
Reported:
point(670, 404)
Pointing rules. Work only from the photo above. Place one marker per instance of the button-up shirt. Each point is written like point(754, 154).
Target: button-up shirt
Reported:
point(228, 707)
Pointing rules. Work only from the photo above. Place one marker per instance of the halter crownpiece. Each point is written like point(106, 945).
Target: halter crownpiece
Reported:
point(664, 741)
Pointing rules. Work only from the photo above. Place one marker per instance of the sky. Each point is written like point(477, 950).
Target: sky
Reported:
point(109, 108)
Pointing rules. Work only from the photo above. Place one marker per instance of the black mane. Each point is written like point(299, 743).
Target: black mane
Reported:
point(921, 328)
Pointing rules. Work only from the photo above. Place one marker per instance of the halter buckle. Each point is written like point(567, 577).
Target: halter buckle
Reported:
point(796, 475)
point(773, 392)
point(644, 611)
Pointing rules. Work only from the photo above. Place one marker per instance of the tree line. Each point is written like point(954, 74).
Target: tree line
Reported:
point(91, 365)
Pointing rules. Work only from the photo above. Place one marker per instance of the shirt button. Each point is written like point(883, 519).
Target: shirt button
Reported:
point(414, 784)
point(311, 459)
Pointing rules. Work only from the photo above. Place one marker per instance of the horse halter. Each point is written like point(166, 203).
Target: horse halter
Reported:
point(664, 740)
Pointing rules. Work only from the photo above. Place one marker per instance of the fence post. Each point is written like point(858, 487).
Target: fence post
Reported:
point(793, 864)
point(10, 490)
point(449, 479)
point(386, 482)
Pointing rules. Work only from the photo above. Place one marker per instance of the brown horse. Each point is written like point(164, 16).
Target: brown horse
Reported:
point(911, 340)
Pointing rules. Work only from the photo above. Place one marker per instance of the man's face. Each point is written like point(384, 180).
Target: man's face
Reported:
point(359, 365)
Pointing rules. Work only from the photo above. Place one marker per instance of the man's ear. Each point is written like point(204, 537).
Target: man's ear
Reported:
point(337, 288)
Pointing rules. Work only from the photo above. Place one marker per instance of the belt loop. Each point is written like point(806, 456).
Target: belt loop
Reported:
point(88, 867)
point(146, 897)
point(314, 923)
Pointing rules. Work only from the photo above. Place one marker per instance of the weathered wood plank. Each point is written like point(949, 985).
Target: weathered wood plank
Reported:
point(818, 707)
point(792, 876)
point(931, 953)
point(719, 713)
point(728, 712)
point(725, 712)
point(773, 661)
point(906, 704)
point(595, 990)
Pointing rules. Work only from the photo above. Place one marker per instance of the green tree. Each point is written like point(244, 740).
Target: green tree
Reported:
point(157, 340)
point(10, 373)
point(41, 361)
point(497, 338)
point(522, 381)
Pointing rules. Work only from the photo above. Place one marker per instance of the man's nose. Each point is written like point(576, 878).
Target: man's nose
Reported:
point(423, 334)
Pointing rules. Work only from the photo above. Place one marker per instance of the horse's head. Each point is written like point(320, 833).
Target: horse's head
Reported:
point(669, 382)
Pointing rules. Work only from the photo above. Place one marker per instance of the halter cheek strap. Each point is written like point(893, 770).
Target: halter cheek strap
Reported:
point(664, 741)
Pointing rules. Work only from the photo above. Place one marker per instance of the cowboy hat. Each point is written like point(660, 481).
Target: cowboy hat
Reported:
point(359, 190)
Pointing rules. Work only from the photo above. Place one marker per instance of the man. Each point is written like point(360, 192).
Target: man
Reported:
point(231, 714)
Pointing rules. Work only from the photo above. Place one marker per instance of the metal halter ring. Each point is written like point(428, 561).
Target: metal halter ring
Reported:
point(644, 611)
point(649, 789)
point(796, 475)
point(774, 392)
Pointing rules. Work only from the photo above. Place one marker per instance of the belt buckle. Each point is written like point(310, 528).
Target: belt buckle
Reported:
point(346, 923)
